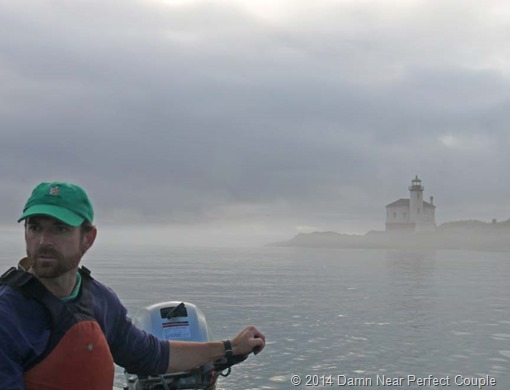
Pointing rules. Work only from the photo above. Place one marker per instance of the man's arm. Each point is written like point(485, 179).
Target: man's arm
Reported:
point(185, 355)
point(141, 353)
point(17, 347)
point(11, 373)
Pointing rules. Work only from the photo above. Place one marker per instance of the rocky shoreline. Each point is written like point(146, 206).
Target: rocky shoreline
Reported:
point(457, 235)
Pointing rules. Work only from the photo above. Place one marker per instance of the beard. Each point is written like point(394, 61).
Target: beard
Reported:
point(55, 267)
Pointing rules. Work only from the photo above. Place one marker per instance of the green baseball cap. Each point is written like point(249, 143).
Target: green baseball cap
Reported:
point(64, 201)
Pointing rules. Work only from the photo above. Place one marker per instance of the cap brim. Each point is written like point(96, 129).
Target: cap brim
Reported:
point(60, 213)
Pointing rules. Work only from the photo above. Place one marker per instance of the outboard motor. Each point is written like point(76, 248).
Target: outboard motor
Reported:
point(180, 321)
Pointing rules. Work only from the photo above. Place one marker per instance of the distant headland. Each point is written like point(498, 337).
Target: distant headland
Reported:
point(411, 224)
point(462, 235)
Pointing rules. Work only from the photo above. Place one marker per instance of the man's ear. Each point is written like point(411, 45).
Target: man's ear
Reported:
point(89, 238)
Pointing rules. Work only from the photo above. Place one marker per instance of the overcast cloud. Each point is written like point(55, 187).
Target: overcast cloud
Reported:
point(241, 118)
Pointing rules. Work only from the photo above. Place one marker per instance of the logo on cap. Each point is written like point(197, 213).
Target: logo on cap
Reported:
point(55, 191)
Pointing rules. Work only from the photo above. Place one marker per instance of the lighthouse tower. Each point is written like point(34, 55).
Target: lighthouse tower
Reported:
point(416, 203)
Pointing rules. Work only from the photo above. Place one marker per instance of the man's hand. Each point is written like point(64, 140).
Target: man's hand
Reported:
point(249, 340)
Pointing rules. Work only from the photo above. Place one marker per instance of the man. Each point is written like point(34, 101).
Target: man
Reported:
point(60, 328)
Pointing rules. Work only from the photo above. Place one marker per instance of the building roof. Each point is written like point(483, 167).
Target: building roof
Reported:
point(400, 202)
point(405, 203)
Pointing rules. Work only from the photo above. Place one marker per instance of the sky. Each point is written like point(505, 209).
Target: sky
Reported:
point(241, 122)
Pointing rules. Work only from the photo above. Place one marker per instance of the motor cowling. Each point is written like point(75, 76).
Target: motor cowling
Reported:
point(173, 321)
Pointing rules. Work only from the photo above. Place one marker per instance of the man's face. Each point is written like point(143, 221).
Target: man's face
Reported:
point(53, 247)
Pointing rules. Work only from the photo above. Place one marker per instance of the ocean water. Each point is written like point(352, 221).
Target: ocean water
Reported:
point(333, 317)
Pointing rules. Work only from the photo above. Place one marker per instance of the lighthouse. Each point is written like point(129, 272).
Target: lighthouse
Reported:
point(413, 214)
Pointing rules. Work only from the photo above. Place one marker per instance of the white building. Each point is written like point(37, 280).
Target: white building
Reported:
point(413, 214)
